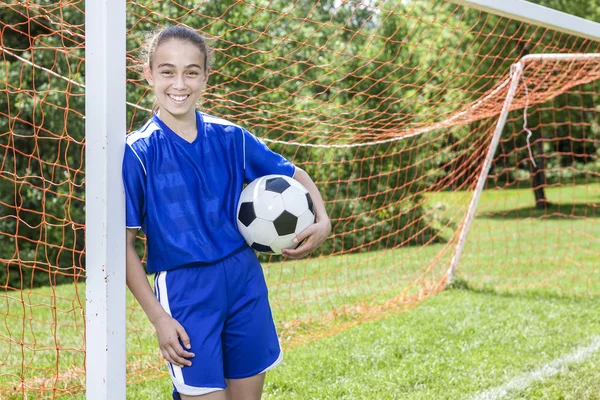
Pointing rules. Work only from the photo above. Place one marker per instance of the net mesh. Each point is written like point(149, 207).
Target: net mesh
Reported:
point(391, 108)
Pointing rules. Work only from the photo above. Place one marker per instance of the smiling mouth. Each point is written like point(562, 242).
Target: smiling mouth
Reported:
point(179, 99)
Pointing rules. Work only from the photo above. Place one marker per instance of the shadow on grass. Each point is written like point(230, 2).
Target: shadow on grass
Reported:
point(551, 211)
point(461, 284)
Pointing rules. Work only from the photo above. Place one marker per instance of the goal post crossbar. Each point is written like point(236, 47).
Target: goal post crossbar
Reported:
point(524, 11)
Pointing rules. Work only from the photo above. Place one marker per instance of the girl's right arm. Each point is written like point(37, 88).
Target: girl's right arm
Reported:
point(168, 330)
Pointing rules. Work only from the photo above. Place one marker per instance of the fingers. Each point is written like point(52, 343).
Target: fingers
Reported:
point(297, 253)
point(301, 251)
point(183, 336)
point(178, 356)
point(175, 354)
point(305, 233)
point(309, 240)
point(171, 348)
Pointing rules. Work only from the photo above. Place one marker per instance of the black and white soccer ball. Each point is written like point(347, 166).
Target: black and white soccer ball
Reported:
point(272, 210)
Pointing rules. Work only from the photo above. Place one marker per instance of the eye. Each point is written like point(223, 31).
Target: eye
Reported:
point(193, 73)
point(166, 73)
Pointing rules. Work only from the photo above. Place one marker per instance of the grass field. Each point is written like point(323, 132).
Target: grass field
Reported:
point(512, 325)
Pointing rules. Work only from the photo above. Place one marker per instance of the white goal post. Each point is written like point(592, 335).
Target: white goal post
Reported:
point(105, 199)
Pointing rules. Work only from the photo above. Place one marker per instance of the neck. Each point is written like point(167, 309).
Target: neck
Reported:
point(183, 125)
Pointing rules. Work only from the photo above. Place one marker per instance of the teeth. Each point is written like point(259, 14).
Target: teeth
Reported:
point(178, 98)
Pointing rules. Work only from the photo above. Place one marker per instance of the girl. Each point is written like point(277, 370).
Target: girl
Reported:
point(183, 173)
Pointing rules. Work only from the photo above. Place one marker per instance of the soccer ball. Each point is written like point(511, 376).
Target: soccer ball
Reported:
point(272, 210)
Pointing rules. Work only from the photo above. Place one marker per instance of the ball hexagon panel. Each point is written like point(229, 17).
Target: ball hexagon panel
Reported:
point(262, 232)
point(304, 221)
point(268, 205)
point(283, 242)
point(294, 201)
point(245, 232)
point(250, 192)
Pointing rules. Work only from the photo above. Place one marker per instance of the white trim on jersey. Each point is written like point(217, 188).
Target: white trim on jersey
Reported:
point(211, 119)
point(138, 157)
point(141, 133)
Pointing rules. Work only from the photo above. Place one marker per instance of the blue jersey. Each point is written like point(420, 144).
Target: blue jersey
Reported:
point(184, 195)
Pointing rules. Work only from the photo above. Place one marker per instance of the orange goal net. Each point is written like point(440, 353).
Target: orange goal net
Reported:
point(391, 106)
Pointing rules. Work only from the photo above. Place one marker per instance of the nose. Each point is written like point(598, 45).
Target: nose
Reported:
point(179, 82)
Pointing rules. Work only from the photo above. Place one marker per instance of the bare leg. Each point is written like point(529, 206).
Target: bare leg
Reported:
point(246, 388)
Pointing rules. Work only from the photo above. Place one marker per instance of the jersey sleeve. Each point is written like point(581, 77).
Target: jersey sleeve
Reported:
point(134, 180)
point(259, 160)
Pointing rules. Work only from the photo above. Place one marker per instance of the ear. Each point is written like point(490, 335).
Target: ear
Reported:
point(206, 75)
point(148, 75)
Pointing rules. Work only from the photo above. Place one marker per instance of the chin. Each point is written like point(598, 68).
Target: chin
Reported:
point(179, 112)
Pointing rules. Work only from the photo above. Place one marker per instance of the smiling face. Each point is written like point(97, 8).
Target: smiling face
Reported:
point(178, 76)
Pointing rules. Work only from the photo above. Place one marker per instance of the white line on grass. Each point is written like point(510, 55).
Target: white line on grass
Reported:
point(522, 381)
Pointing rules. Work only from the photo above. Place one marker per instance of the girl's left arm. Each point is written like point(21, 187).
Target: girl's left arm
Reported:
point(315, 234)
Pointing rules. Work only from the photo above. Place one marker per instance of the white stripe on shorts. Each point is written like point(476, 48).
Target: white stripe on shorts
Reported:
point(163, 298)
point(276, 363)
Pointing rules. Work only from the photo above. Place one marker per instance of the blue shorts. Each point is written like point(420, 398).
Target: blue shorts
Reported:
point(224, 308)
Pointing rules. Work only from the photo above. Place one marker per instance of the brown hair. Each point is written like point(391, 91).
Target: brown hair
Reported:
point(155, 39)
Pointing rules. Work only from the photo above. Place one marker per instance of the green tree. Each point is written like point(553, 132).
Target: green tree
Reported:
point(42, 136)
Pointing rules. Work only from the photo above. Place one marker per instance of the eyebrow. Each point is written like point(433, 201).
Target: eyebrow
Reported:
point(173, 66)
